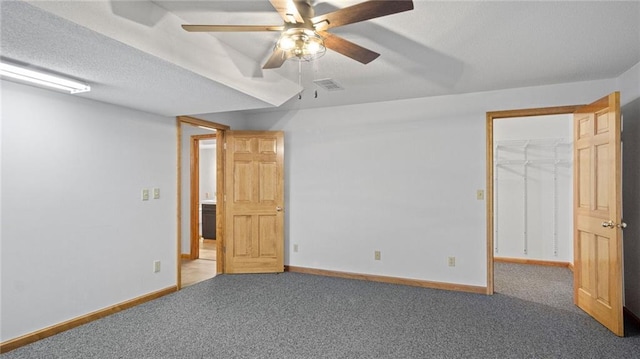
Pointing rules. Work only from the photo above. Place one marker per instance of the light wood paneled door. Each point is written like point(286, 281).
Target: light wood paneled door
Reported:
point(597, 212)
point(254, 181)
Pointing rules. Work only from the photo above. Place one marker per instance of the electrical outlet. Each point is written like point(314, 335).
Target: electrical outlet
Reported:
point(295, 247)
point(452, 261)
point(156, 266)
point(156, 193)
point(145, 194)
point(480, 195)
point(376, 255)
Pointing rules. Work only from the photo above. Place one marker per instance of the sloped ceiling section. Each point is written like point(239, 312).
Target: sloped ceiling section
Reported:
point(131, 64)
point(444, 47)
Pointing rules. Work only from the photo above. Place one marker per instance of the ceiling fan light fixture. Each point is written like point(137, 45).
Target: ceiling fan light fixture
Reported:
point(301, 44)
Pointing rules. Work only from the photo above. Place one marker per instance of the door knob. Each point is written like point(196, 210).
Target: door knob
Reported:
point(609, 224)
point(278, 209)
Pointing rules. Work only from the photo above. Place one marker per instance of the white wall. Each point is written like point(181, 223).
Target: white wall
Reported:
point(549, 202)
point(207, 171)
point(399, 177)
point(76, 236)
point(629, 85)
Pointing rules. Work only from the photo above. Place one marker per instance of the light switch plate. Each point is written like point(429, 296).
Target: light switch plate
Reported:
point(156, 193)
point(480, 195)
point(145, 194)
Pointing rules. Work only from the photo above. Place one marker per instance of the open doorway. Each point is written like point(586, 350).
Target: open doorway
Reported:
point(518, 157)
point(199, 254)
point(532, 191)
point(202, 194)
point(206, 193)
point(200, 181)
point(533, 209)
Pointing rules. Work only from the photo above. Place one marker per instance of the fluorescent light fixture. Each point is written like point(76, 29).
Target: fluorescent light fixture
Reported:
point(42, 79)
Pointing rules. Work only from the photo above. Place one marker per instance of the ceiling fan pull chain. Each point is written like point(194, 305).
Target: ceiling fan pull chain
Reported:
point(300, 79)
point(315, 72)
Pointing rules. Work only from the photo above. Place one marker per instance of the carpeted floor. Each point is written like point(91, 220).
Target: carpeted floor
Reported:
point(550, 286)
point(294, 315)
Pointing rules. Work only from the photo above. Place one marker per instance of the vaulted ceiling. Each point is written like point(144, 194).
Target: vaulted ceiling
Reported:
point(135, 54)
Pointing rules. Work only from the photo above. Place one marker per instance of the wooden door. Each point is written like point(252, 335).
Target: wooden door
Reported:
point(254, 192)
point(597, 209)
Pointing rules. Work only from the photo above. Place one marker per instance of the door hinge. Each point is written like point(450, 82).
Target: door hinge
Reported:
point(224, 249)
point(224, 146)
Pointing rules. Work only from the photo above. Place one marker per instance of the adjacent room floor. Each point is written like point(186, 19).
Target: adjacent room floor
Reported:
point(548, 285)
point(195, 271)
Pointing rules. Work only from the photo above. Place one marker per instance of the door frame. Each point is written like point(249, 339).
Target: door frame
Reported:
point(497, 115)
point(220, 138)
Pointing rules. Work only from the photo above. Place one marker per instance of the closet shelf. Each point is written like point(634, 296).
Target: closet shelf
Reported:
point(532, 162)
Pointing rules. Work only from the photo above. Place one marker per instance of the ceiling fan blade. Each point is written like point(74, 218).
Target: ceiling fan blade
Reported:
point(232, 28)
point(288, 11)
point(348, 48)
point(360, 12)
point(276, 60)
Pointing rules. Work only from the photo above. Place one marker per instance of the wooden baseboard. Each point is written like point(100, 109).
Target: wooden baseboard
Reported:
point(72, 323)
point(185, 255)
point(534, 262)
point(392, 280)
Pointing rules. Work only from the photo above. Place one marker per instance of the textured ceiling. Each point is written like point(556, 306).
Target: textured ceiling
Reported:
point(135, 54)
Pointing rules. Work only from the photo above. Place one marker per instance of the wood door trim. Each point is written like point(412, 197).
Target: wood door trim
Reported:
point(220, 199)
point(194, 192)
point(496, 115)
point(198, 122)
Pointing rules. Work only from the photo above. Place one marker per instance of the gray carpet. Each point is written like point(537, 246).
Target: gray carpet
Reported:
point(303, 316)
point(550, 286)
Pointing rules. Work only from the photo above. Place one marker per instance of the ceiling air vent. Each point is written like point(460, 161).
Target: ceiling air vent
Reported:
point(328, 84)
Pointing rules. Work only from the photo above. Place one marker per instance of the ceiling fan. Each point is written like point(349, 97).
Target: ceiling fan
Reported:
point(304, 36)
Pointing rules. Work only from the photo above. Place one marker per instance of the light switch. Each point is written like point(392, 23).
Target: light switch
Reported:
point(480, 195)
point(156, 193)
point(145, 194)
